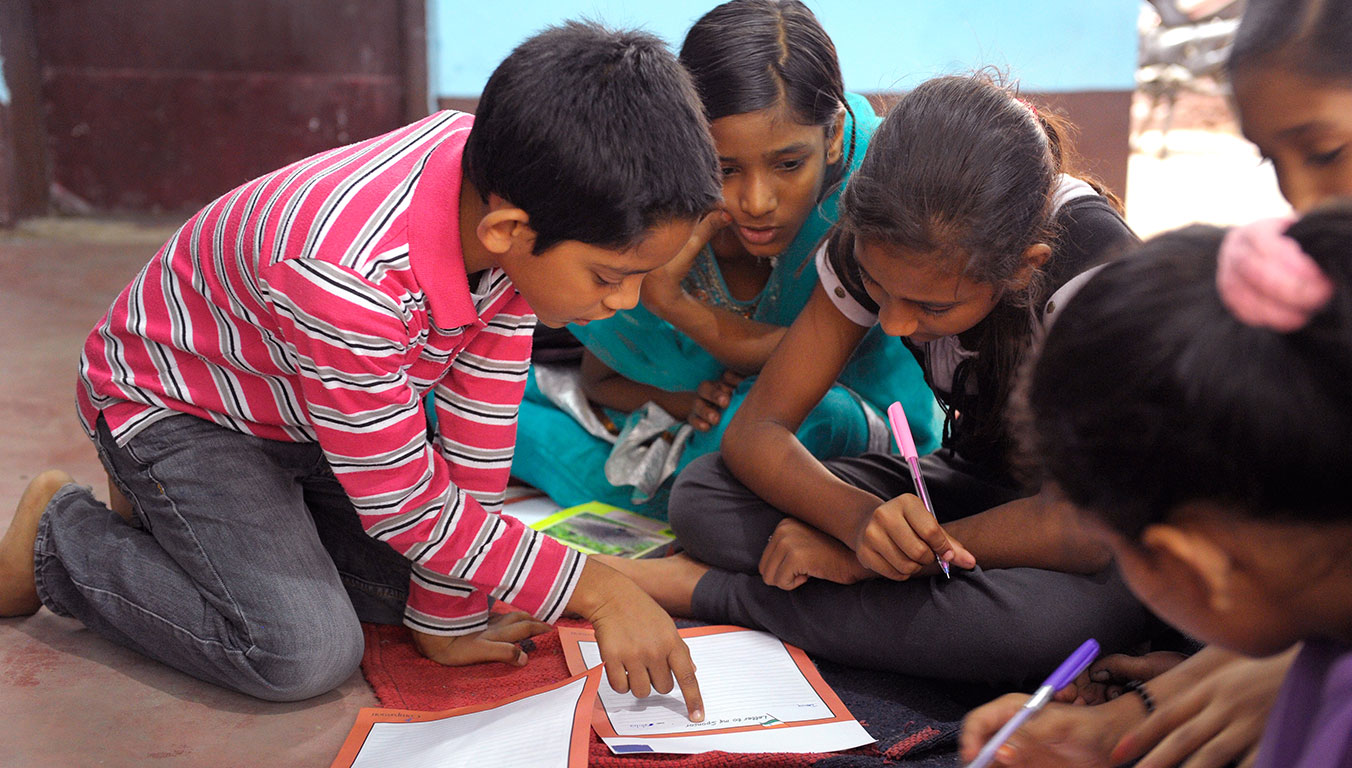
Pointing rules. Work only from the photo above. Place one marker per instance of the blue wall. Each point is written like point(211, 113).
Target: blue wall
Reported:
point(1049, 45)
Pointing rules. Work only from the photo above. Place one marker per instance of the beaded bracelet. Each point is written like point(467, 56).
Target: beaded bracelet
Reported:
point(1137, 687)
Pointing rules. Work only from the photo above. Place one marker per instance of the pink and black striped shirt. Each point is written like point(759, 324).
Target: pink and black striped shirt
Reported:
point(320, 303)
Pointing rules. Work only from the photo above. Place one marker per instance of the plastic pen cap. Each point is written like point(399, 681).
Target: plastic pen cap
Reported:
point(896, 415)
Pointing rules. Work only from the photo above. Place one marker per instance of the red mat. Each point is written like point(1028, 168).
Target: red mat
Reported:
point(405, 679)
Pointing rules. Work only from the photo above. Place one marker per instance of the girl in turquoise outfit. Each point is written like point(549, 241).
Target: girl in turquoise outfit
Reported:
point(788, 135)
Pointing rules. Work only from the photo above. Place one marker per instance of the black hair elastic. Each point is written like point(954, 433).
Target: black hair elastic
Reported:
point(1137, 687)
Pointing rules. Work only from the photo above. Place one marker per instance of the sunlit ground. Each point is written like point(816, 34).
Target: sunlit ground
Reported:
point(1209, 174)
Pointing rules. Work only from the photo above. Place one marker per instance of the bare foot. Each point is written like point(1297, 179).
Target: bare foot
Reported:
point(668, 580)
point(18, 590)
point(797, 552)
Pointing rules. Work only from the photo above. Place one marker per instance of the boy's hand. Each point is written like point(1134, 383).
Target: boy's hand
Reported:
point(711, 398)
point(496, 643)
point(797, 552)
point(1061, 735)
point(637, 639)
point(900, 539)
point(662, 286)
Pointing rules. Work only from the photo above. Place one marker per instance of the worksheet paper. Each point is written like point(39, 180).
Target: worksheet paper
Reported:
point(760, 695)
point(545, 728)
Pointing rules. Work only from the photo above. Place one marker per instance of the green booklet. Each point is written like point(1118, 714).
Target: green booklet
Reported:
point(600, 529)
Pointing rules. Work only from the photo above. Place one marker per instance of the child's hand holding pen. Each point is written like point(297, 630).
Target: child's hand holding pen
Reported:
point(1062, 735)
point(901, 538)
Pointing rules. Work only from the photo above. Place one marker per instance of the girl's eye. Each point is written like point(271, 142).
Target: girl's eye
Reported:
point(601, 281)
point(1324, 158)
point(728, 170)
point(933, 311)
point(791, 165)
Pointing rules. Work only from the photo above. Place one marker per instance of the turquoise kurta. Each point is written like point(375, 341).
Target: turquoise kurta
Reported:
point(556, 455)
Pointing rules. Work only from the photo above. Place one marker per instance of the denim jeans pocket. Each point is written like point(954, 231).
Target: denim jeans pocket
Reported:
point(168, 435)
point(132, 465)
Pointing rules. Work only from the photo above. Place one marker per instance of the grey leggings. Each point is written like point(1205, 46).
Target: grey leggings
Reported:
point(1008, 626)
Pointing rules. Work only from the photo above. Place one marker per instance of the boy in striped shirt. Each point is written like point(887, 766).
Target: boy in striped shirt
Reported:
point(256, 392)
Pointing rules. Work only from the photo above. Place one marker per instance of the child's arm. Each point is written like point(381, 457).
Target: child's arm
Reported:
point(741, 344)
point(638, 642)
point(421, 496)
point(895, 538)
point(760, 446)
point(1215, 705)
point(702, 408)
point(1034, 532)
point(1210, 708)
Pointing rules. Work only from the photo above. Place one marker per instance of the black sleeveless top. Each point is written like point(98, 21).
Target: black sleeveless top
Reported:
point(1088, 232)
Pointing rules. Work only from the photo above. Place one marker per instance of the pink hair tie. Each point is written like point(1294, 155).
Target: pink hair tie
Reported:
point(1266, 280)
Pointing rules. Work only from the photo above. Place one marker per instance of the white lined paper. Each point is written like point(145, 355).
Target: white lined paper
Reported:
point(746, 678)
point(534, 732)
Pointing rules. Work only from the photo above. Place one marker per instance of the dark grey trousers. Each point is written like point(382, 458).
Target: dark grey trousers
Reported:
point(1009, 626)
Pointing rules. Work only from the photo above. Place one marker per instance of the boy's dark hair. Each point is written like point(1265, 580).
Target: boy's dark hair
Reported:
point(961, 172)
point(596, 134)
point(1148, 393)
point(1312, 37)
point(749, 55)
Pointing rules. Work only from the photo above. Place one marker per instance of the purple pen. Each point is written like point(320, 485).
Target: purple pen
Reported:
point(1070, 669)
point(901, 430)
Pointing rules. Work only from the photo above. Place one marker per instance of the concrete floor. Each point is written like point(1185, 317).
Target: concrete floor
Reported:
point(68, 698)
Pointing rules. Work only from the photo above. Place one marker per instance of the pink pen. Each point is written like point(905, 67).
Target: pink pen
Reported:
point(901, 430)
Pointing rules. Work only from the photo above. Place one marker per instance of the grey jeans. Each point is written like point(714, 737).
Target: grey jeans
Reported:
point(1008, 626)
point(246, 565)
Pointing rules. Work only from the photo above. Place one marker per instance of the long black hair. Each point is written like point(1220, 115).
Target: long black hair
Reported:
point(962, 172)
point(749, 55)
point(1148, 393)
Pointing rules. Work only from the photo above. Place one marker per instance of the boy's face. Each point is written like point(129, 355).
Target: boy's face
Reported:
point(1304, 126)
point(573, 282)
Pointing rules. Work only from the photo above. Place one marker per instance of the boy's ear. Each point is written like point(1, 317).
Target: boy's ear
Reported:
point(835, 145)
point(504, 226)
point(1194, 562)
point(1033, 258)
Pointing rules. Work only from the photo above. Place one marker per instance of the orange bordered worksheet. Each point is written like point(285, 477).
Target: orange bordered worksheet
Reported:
point(760, 695)
point(548, 726)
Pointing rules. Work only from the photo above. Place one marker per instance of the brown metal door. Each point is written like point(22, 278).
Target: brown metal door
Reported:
point(154, 105)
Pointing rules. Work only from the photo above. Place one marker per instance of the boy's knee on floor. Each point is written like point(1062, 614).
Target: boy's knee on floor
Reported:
point(309, 661)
